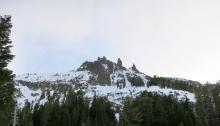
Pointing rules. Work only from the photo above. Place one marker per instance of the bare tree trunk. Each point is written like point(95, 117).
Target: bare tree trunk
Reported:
point(15, 116)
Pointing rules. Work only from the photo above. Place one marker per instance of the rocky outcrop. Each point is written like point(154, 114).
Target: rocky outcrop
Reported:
point(134, 68)
point(99, 72)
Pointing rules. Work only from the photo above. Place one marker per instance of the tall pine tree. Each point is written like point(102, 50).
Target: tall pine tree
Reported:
point(6, 76)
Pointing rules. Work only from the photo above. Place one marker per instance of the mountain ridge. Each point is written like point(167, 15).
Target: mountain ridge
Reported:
point(101, 77)
point(98, 72)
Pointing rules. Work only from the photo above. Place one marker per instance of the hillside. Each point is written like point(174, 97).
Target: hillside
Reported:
point(101, 77)
point(106, 79)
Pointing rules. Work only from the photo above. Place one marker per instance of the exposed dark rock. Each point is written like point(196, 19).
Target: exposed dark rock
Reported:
point(102, 68)
point(134, 68)
point(119, 63)
point(97, 67)
point(135, 81)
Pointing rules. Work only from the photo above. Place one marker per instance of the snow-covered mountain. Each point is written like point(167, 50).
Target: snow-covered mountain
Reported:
point(101, 77)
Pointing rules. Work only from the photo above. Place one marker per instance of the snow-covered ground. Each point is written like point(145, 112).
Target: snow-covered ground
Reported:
point(119, 88)
point(26, 94)
point(113, 93)
point(116, 95)
point(61, 77)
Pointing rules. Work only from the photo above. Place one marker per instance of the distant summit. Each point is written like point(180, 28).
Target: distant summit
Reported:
point(103, 68)
point(102, 64)
point(99, 72)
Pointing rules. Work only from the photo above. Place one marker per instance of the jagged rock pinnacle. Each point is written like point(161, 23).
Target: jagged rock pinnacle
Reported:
point(134, 68)
point(103, 58)
point(119, 62)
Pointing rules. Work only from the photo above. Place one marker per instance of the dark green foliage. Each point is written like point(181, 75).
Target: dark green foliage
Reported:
point(6, 76)
point(200, 110)
point(148, 109)
point(135, 81)
point(174, 83)
point(155, 110)
point(210, 103)
point(101, 113)
point(74, 111)
point(207, 107)
point(25, 116)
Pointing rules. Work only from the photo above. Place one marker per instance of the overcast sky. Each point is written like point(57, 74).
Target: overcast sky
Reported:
point(176, 38)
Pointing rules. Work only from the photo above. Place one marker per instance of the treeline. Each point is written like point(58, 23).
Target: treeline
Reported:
point(151, 109)
point(74, 111)
point(174, 83)
point(207, 106)
point(148, 109)
point(136, 81)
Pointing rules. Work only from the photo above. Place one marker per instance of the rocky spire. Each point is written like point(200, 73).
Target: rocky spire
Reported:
point(119, 63)
point(134, 68)
point(103, 58)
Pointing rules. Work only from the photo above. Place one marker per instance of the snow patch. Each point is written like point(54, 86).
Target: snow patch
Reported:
point(117, 95)
point(27, 95)
point(105, 66)
point(83, 76)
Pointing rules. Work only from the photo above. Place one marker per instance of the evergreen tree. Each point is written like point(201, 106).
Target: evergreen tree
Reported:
point(151, 109)
point(6, 76)
point(101, 113)
point(25, 116)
